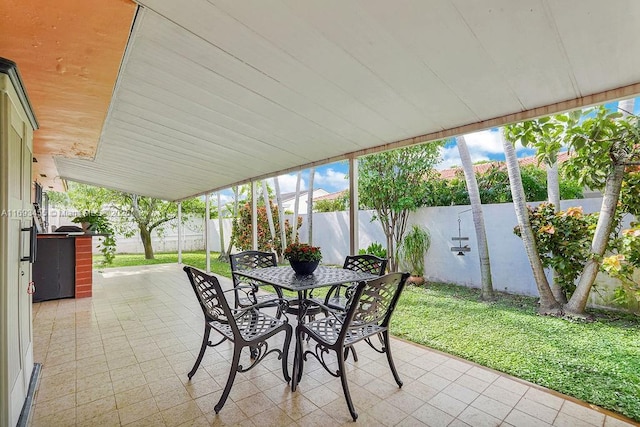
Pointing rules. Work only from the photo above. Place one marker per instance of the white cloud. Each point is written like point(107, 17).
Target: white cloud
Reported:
point(224, 198)
point(288, 183)
point(331, 180)
point(483, 145)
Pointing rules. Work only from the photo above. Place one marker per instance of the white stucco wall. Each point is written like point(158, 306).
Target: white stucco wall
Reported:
point(509, 264)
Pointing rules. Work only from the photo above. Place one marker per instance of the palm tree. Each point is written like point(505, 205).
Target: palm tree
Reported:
point(548, 303)
point(478, 219)
point(620, 155)
point(283, 233)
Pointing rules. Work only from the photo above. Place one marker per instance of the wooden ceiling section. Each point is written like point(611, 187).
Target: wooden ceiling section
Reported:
point(68, 53)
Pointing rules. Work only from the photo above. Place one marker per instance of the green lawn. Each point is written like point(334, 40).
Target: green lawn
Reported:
point(597, 361)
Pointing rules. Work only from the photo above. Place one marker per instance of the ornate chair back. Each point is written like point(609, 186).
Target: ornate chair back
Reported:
point(338, 295)
point(248, 260)
point(366, 263)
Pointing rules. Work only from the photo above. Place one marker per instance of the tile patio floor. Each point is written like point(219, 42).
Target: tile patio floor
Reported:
point(121, 358)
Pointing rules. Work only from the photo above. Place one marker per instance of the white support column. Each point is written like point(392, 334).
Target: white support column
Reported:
point(179, 232)
point(354, 227)
point(254, 217)
point(206, 233)
point(220, 230)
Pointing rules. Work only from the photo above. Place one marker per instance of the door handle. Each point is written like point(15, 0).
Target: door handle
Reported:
point(33, 241)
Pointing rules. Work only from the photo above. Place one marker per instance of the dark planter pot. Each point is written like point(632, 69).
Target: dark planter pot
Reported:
point(304, 268)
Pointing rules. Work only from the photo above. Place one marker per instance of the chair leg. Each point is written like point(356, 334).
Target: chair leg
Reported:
point(237, 350)
point(387, 348)
point(345, 386)
point(353, 350)
point(285, 353)
point(203, 348)
point(297, 359)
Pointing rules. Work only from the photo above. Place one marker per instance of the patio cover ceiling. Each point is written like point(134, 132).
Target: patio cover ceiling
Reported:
point(214, 93)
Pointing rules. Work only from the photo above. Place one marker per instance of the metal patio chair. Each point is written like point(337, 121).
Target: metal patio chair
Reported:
point(245, 290)
point(368, 314)
point(338, 295)
point(244, 326)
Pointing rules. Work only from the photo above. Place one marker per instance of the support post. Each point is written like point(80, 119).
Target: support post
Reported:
point(220, 230)
point(254, 217)
point(179, 232)
point(354, 225)
point(206, 233)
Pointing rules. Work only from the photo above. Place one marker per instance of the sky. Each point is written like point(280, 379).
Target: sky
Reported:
point(484, 145)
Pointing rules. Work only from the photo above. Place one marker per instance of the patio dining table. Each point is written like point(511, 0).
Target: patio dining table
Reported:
point(284, 277)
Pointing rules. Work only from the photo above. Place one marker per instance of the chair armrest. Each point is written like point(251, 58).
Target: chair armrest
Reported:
point(276, 302)
point(308, 303)
point(335, 289)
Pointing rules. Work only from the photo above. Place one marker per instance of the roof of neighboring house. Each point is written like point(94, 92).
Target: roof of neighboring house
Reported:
point(303, 194)
point(330, 196)
point(484, 167)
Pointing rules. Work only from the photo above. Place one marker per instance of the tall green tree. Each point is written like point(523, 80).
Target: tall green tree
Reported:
point(131, 213)
point(605, 145)
point(395, 183)
point(493, 186)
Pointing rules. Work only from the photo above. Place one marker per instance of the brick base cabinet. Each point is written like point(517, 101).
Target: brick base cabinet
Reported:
point(84, 266)
point(63, 267)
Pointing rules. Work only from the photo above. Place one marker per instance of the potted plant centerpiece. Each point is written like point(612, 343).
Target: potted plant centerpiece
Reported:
point(91, 221)
point(304, 258)
point(414, 248)
point(97, 222)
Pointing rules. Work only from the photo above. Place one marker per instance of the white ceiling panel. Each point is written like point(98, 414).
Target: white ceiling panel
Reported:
point(214, 93)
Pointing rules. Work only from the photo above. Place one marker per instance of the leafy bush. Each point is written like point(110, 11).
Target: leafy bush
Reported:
point(241, 232)
point(376, 249)
point(413, 249)
point(563, 240)
point(494, 187)
point(623, 265)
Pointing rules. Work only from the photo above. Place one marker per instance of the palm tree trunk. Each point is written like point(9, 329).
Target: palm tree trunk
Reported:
point(578, 301)
point(281, 221)
point(553, 195)
point(548, 303)
point(267, 204)
point(478, 219)
point(235, 215)
point(613, 185)
point(553, 186)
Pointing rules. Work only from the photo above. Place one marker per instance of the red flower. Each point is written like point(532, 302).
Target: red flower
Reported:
point(302, 252)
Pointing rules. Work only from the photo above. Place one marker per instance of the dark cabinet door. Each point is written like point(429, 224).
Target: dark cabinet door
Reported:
point(54, 269)
point(67, 268)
